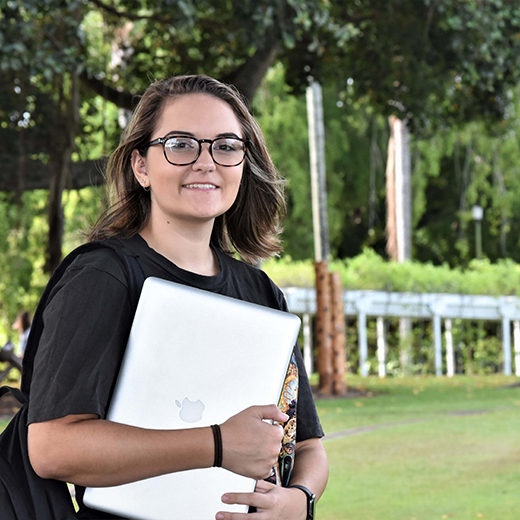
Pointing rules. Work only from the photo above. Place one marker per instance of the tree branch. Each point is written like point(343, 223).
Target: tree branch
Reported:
point(120, 98)
point(37, 175)
point(249, 75)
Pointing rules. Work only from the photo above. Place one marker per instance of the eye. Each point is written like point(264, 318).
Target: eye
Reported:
point(178, 144)
point(228, 145)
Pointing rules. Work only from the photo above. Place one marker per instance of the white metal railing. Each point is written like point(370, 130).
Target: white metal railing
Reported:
point(436, 307)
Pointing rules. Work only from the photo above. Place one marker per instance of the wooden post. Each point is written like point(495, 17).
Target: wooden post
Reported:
point(338, 336)
point(323, 327)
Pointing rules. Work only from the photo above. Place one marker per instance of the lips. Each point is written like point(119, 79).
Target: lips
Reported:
point(200, 186)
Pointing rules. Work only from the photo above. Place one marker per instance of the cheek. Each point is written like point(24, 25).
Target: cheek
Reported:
point(237, 183)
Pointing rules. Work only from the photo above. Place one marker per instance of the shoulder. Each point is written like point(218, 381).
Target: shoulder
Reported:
point(97, 261)
point(253, 284)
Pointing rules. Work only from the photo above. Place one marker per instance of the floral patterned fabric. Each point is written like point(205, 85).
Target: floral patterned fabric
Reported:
point(281, 472)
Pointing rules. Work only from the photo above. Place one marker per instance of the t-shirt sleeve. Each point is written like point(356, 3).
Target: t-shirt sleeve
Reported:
point(86, 325)
point(308, 422)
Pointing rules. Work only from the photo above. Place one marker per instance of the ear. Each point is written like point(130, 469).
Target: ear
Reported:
point(139, 169)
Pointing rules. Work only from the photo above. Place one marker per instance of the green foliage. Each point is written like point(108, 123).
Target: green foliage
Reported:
point(22, 239)
point(455, 169)
point(369, 271)
point(477, 347)
point(23, 231)
point(178, 37)
point(355, 145)
point(447, 60)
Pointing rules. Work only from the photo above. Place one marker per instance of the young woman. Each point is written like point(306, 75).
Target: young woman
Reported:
point(192, 183)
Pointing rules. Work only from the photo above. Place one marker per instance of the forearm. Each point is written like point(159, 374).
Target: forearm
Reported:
point(311, 468)
point(95, 452)
point(88, 451)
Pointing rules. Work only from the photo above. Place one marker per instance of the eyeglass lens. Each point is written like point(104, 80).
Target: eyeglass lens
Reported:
point(225, 151)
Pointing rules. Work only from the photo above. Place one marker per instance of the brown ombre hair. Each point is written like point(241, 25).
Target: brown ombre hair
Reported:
point(251, 227)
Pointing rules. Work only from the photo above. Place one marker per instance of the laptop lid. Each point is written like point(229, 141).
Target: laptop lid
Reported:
point(194, 358)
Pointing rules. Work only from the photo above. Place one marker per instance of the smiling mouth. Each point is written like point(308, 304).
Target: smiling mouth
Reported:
point(200, 186)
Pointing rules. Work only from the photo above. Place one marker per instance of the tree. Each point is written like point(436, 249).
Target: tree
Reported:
point(234, 41)
point(45, 49)
point(427, 62)
point(40, 45)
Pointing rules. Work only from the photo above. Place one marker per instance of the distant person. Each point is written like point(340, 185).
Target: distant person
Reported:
point(22, 325)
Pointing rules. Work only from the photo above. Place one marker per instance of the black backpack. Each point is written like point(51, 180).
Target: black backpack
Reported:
point(23, 494)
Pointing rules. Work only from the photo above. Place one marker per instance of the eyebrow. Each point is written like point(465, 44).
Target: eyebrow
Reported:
point(190, 134)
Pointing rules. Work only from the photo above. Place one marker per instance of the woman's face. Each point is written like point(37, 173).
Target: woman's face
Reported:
point(201, 191)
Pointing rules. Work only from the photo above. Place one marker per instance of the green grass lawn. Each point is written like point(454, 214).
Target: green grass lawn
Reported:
point(460, 458)
point(432, 449)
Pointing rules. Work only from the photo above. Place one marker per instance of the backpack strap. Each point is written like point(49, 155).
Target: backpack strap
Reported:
point(135, 282)
point(17, 393)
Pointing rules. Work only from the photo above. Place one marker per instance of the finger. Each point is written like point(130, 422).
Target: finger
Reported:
point(247, 499)
point(225, 515)
point(264, 487)
point(271, 412)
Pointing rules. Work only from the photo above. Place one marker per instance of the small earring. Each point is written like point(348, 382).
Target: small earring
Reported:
point(145, 188)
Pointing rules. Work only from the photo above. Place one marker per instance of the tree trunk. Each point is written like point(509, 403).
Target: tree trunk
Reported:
point(60, 160)
point(247, 77)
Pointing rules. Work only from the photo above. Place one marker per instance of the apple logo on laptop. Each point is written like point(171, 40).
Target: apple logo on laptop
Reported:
point(191, 411)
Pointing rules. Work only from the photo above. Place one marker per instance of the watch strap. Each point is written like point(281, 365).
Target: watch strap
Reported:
point(311, 498)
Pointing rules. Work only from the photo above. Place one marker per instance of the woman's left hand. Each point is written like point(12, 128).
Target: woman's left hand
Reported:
point(271, 502)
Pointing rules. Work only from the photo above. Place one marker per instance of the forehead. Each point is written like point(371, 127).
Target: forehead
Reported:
point(200, 114)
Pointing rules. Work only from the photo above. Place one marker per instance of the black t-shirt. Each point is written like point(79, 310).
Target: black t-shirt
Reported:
point(86, 324)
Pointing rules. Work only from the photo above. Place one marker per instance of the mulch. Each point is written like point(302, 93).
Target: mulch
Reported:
point(352, 393)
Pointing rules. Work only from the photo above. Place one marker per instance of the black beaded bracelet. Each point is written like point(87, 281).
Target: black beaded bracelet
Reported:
point(217, 437)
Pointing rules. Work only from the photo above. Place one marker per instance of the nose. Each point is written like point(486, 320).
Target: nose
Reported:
point(205, 159)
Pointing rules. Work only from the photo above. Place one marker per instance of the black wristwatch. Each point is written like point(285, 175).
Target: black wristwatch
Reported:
point(311, 499)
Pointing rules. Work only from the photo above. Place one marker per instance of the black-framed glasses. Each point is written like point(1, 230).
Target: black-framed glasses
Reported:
point(182, 150)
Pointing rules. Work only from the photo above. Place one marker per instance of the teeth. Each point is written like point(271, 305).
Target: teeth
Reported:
point(201, 186)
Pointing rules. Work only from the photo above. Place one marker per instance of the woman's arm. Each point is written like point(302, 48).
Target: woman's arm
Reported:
point(89, 451)
point(310, 470)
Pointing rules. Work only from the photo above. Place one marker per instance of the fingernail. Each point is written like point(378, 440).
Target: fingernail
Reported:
point(225, 498)
point(286, 417)
point(219, 516)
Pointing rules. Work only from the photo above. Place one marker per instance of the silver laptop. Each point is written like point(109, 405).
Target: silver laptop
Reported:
point(193, 359)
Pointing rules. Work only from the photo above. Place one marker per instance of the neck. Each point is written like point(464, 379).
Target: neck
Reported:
point(187, 246)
